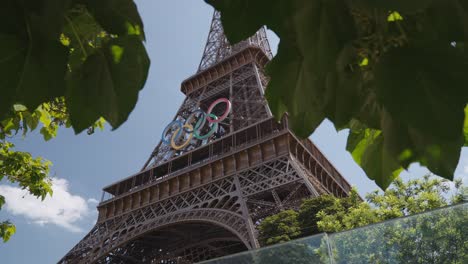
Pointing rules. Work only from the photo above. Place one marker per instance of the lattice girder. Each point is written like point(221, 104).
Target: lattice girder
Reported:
point(218, 48)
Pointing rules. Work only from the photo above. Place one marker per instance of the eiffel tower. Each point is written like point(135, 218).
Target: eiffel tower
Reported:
point(202, 196)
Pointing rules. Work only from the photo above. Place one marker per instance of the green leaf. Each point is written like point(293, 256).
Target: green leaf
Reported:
point(64, 40)
point(100, 123)
point(32, 120)
point(394, 16)
point(118, 17)
point(25, 77)
point(301, 121)
point(359, 139)
point(435, 78)
point(364, 62)
point(19, 108)
point(108, 87)
point(12, 54)
point(85, 36)
point(9, 124)
point(7, 229)
point(44, 117)
point(368, 150)
point(318, 86)
point(379, 164)
point(48, 133)
point(250, 16)
point(32, 60)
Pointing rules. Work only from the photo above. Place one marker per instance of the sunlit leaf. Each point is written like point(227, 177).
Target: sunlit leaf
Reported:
point(7, 229)
point(118, 17)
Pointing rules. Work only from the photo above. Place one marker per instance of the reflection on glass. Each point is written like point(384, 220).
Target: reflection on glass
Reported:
point(439, 236)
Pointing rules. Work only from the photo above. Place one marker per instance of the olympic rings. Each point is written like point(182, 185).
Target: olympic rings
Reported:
point(226, 112)
point(181, 129)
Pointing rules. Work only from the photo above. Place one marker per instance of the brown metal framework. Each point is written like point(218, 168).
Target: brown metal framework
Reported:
point(206, 200)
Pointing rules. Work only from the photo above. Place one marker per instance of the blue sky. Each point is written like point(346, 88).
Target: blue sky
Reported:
point(176, 33)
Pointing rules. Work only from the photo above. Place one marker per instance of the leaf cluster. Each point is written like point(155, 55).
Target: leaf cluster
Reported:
point(48, 117)
point(431, 238)
point(391, 71)
point(280, 227)
point(290, 224)
point(401, 199)
point(89, 53)
point(31, 174)
point(307, 214)
point(327, 213)
point(435, 237)
point(28, 172)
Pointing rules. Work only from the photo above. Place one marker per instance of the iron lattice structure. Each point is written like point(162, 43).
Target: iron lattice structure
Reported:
point(205, 200)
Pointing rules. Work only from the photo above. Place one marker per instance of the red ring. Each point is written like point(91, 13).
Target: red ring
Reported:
point(215, 103)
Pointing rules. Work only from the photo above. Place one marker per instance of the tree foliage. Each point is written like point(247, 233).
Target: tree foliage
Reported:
point(393, 72)
point(327, 213)
point(289, 224)
point(28, 172)
point(280, 227)
point(89, 52)
point(71, 63)
point(402, 199)
point(307, 214)
point(432, 238)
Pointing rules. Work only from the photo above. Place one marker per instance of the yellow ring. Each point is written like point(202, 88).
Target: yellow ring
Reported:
point(173, 145)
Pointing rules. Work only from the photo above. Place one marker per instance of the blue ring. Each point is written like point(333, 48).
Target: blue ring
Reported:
point(179, 124)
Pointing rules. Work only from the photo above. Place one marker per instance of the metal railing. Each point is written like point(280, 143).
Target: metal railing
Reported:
point(228, 144)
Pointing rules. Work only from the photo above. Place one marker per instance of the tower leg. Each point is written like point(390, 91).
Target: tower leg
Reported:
point(307, 183)
point(245, 213)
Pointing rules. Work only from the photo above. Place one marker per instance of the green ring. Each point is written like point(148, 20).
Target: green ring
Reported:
point(197, 127)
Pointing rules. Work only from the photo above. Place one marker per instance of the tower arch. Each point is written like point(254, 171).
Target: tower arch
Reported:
point(185, 240)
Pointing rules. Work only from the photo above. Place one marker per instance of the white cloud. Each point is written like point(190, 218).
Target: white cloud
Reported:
point(93, 201)
point(63, 208)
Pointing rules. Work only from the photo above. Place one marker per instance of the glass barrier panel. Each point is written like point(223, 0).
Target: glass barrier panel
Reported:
point(438, 236)
point(301, 251)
